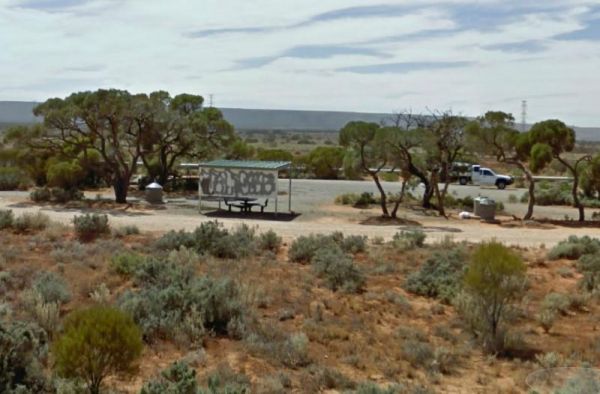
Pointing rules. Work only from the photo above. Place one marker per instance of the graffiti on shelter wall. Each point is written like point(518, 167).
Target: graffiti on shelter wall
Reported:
point(238, 183)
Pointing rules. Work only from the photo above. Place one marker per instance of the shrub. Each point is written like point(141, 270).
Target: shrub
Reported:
point(410, 239)
point(339, 270)
point(303, 248)
point(52, 287)
point(174, 240)
point(11, 178)
point(60, 195)
point(589, 266)
point(225, 380)
point(574, 247)
point(23, 348)
point(269, 241)
point(557, 302)
point(364, 200)
point(6, 218)
point(124, 231)
point(172, 304)
point(546, 318)
point(90, 226)
point(208, 234)
point(347, 199)
point(126, 263)
point(354, 244)
point(97, 342)
point(45, 314)
point(240, 243)
point(289, 350)
point(417, 353)
point(40, 194)
point(31, 222)
point(495, 279)
point(177, 378)
point(440, 275)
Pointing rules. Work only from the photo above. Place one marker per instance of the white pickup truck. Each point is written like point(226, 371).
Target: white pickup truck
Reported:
point(480, 176)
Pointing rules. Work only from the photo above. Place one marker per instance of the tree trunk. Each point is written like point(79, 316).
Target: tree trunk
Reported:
point(531, 192)
point(427, 194)
point(400, 198)
point(121, 186)
point(576, 202)
point(383, 196)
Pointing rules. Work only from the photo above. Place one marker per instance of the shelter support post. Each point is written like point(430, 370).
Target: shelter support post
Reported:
point(290, 190)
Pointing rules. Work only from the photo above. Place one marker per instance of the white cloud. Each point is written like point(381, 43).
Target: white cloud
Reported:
point(53, 47)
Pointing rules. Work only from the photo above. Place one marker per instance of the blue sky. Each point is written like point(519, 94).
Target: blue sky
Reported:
point(467, 55)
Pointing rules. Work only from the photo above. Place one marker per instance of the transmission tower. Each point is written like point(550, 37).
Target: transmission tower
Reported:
point(524, 115)
point(210, 100)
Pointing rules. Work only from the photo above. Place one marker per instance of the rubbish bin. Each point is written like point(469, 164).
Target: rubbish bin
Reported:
point(485, 208)
point(154, 193)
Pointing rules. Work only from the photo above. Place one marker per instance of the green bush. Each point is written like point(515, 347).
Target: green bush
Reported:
point(124, 231)
point(226, 381)
point(589, 266)
point(338, 270)
point(6, 218)
point(495, 279)
point(178, 378)
point(440, 276)
point(347, 199)
point(52, 287)
point(574, 247)
point(354, 244)
point(557, 302)
point(31, 222)
point(40, 194)
point(269, 241)
point(96, 343)
point(126, 263)
point(409, 239)
point(22, 351)
point(11, 178)
point(304, 248)
point(173, 240)
point(90, 226)
point(172, 304)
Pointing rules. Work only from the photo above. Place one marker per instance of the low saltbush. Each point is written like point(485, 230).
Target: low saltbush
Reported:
point(31, 222)
point(177, 378)
point(409, 239)
point(304, 248)
point(269, 241)
point(338, 270)
point(6, 218)
point(589, 266)
point(12, 178)
point(52, 287)
point(574, 247)
point(126, 263)
point(440, 276)
point(90, 226)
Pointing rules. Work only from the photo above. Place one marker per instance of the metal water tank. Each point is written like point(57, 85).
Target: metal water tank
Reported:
point(485, 208)
point(154, 193)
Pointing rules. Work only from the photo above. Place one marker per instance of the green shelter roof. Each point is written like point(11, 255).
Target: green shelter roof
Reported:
point(247, 164)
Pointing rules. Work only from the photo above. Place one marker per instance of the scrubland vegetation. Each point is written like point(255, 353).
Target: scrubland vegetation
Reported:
point(98, 309)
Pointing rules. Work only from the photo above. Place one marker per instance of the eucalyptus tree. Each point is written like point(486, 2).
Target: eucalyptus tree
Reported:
point(553, 140)
point(369, 151)
point(494, 133)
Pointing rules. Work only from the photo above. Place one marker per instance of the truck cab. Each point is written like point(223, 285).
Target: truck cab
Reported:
point(487, 177)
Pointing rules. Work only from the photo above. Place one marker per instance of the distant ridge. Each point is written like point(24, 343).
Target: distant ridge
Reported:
point(264, 119)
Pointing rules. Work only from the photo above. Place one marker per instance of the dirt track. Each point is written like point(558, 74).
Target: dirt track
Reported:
point(436, 228)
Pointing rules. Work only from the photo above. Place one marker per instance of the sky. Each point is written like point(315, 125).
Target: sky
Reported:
point(469, 56)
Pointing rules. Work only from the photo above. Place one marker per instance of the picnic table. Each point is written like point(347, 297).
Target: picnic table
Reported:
point(245, 204)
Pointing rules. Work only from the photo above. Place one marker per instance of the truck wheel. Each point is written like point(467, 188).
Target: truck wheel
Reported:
point(463, 181)
point(501, 185)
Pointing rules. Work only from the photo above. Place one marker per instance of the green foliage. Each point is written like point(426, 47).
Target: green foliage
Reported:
point(440, 275)
point(52, 287)
point(172, 304)
point(269, 240)
point(494, 280)
point(338, 270)
point(589, 266)
point(178, 378)
point(305, 247)
point(124, 231)
point(97, 342)
point(557, 302)
point(174, 240)
point(6, 218)
point(226, 381)
point(574, 247)
point(585, 381)
point(40, 194)
point(12, 178)
point(22, 350)
point(546, 318)
point(274, 155)
point(126, 263)
point(90, 226)
point(409, 239)
point(31, 222)
point(64, 174)
point(325, 161)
